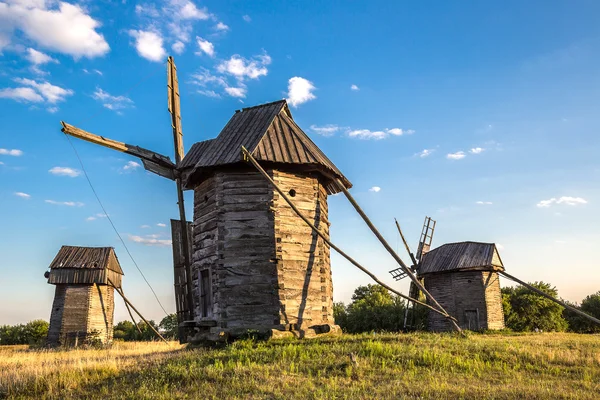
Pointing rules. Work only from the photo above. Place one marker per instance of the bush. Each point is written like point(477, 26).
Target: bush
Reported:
point(32, 333)
point(525, 310)
point(591, 306)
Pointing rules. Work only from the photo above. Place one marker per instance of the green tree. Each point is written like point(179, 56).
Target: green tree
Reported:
point(525, 310)
point(591, 306)
point(169, 326)
point(373, 308)
point(32, 333)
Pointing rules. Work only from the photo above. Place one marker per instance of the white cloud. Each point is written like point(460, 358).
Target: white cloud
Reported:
point(456, 156)
point(64, 171)
point(23, 195)
point(325, 130)
point(149, 44)
point(369, 134)
point(52, 110)
point(476, 150)
point(22, 94)
point(300, 91)
point(39, 58)
point(236, 91)
point(204, 78)
point(425, 153)
point(185, 9)
point(161, 225)
point(57, 26)
point(567, 200)
point(209, 93)
point(114, 103)
point(354, 87)
point(149, 241)
point(375, 189)
point(11, 152)
point(96, 71)
point(51, 93)
point(65, 203)
point(247, 18)
point(205, 47)
point(242, 68)
point(178, 47)
point(484, 203)
point(221, 27)
point(147, 9)
point(131, 165)
point(145, 226)
point(96, 216)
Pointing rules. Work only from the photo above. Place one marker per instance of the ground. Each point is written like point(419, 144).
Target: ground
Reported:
point(412, 366)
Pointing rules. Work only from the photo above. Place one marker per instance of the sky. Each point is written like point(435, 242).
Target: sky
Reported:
point(482, 115)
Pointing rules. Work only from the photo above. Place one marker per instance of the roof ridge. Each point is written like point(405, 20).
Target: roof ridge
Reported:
point(262, 105)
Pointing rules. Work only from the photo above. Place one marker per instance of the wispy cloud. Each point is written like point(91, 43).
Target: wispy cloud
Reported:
point(150, 241)
point(33, 91)
point(377, 135)
point(64, 171)
point(484, 203)
point(221, 27)
point(242, 68)
point(247, 18)
point(11, 152)
point(300, 91)
point(131, 165)
point(178, 47)
point(476, 150)
point(375, 189)
point(459, 155)
point(354, 87)
point(236, 91)
point(113, 103)
point(425, 153)
point(145, 226)
point(325, 130)
point(566, 200)
point(23, 195)
point(161, 225)
point(205, 47)
point(65, 203)
point(96, 216)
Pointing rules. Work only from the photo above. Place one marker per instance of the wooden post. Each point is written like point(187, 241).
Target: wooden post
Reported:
point(175, 110)
point(136, 311)
point(546, 295)
point(131, 316)
point(413, 289)
point(412, 256)
point(248, 157)
point(393, 253)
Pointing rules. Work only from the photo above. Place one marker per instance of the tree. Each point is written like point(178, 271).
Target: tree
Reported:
point(32, 333)
point(373, 308)
point(525, 310)
point(169, 326)
point(590, 305)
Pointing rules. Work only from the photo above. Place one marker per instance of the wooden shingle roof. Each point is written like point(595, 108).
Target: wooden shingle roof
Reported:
point(270, 134)
point(461, 256)
point(90, 258)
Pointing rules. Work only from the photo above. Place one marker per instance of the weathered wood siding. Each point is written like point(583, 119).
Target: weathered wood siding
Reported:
point(101, 312)
point(458, 293)
point(81, 309)
point(266, 268)
point(303, 264)
point(493, 299)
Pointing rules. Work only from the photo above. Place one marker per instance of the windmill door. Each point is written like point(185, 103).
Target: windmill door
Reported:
point(472, 320)
point(205, 293)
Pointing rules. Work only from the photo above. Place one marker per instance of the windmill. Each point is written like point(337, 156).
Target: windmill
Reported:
point(423, 247)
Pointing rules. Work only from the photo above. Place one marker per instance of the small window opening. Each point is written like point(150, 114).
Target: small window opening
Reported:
point(292, 193)
point(205, 199)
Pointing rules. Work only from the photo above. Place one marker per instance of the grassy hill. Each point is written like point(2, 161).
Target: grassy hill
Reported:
point(413, 366)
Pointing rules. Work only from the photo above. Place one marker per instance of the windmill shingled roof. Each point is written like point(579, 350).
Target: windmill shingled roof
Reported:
point(270, 133)
point(86, 258)
point(461, 256)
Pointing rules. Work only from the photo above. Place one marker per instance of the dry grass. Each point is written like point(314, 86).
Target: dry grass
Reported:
point(498, 366)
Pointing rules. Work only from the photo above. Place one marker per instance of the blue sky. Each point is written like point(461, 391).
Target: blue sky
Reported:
point(483, 116)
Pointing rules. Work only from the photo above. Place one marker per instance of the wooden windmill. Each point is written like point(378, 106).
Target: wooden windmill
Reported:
point(464, 277)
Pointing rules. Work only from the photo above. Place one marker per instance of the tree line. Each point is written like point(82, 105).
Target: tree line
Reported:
point(373, 308)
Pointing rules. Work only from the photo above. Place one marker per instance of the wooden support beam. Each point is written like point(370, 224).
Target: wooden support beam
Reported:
point(412, 256)
point(248, 157)
point(546, 295)
point(119, 290)
point(140, 152)
point(393, 253)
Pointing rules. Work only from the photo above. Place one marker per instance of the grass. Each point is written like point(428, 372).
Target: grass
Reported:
point(412, 366)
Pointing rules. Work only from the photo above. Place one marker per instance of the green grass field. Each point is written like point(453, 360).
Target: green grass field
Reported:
point(413, 366)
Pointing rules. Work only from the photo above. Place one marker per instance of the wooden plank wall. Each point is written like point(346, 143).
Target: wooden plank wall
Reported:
point(75, 313)
point(101, 309)
point(493, 299)
point(56, 316)
point(303, 263)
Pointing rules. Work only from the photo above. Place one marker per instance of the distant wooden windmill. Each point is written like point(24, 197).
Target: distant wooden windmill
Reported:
point(464, 277)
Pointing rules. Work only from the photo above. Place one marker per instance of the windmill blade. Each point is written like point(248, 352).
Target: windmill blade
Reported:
point(426, 237)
